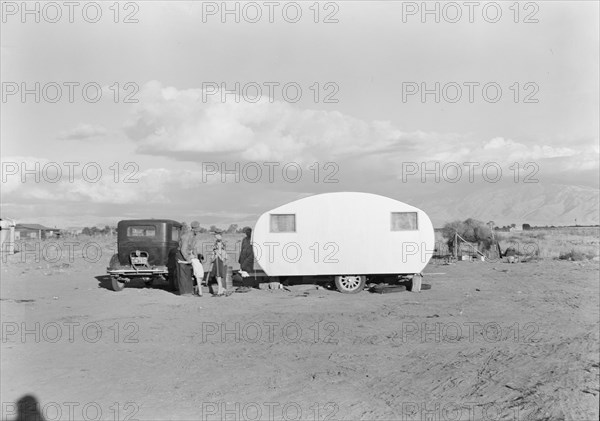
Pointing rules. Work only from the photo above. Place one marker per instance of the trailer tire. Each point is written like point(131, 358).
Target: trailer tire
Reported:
point(350, 284)
point(117, 285)
point(386, 289)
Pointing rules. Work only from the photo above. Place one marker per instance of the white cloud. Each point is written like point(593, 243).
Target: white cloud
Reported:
point(177, 123)
point(16, 169)
point(512, 149)
point(168, 120)
point(82, 132)
point(190, 125)
point(33, 178)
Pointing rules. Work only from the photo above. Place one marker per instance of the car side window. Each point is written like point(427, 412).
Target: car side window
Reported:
point(175, 233)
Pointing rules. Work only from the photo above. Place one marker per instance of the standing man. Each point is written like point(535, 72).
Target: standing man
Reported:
point(185, 240)
point(246, 259)
point(191, 249)
point(179, 261)
point(195, 255)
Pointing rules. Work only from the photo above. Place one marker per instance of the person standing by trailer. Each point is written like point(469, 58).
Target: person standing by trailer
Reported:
point(246, 259)
point(219, 259)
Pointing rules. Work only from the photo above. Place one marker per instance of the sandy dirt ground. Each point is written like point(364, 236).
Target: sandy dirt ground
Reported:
point(488, 341)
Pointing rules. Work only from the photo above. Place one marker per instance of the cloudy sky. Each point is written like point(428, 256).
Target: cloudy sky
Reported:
point(134, 111)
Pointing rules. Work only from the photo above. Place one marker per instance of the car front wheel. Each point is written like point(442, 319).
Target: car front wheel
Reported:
point(350, 284)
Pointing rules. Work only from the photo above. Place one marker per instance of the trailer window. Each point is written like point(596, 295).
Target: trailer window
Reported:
point(283, 223)
point(404, 221)
point(141, 231)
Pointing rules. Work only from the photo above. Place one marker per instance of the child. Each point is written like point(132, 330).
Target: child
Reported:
point(219, 259)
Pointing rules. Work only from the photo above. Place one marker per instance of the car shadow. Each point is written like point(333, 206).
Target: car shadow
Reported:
point(105, 282)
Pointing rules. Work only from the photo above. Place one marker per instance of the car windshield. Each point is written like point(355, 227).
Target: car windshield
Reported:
point(141, 231)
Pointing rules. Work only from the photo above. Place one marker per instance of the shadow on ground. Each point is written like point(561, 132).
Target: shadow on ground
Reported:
point(27, 408)
point(105, 282)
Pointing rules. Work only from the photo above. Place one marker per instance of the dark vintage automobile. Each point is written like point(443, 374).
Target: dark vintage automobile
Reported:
point(143, 250)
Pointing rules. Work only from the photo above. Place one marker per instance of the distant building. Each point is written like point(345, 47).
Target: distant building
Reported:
point(34, 232)
point(7, 236)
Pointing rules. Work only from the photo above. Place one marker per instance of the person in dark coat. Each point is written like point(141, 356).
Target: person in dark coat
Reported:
point(183, 275)
point(180, 269)
point(246, 259)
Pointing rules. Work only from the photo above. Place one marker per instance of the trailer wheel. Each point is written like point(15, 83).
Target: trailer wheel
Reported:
point(350, 284)
point(117, 285)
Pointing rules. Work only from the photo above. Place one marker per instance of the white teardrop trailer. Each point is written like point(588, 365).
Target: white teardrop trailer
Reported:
point(348, 236)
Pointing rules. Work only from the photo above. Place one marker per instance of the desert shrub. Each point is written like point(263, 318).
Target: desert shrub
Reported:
point(575, 255)
point(579, 231)
point(538, 235)
point(472, 230)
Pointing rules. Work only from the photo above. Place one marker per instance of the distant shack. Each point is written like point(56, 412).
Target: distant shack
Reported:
point(34, 232)
point(7, 236)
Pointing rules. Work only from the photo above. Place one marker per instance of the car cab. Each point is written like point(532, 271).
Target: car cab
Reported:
point(143, 249)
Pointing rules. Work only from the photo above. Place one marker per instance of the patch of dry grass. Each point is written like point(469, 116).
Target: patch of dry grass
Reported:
point(571, 243)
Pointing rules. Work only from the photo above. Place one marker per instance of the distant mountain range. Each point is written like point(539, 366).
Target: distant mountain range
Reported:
point(538, 204)
point(534, 204)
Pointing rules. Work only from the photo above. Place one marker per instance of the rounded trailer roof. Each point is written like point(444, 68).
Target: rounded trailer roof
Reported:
point(344, 233)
